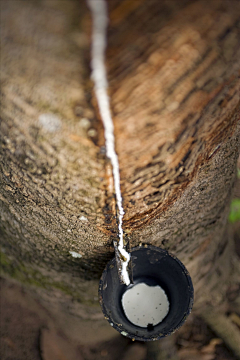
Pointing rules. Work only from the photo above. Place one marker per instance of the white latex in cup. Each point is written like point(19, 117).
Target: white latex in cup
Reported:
point(145, 305)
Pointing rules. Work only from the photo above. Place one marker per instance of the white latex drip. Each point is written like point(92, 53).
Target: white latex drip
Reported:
point(99, 42)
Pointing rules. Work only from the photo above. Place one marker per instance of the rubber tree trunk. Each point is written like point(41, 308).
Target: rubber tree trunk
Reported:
point(173, 74)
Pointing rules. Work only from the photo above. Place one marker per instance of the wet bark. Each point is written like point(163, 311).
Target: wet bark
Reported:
point(174, 89)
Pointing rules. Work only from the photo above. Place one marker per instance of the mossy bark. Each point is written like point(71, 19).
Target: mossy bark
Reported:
point(174, 80)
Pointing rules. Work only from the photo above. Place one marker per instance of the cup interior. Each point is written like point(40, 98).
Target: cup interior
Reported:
point(153, 266)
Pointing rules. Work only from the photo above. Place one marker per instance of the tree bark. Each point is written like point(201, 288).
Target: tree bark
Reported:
point(174, 90)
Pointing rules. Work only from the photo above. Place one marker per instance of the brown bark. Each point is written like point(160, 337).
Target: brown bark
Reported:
point(177, 103)
point(174, 80)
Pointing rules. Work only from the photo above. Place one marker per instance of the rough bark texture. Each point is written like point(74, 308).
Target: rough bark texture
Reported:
point(174, 88)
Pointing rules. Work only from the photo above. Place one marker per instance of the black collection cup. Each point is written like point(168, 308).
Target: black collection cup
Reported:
point(153, 266)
